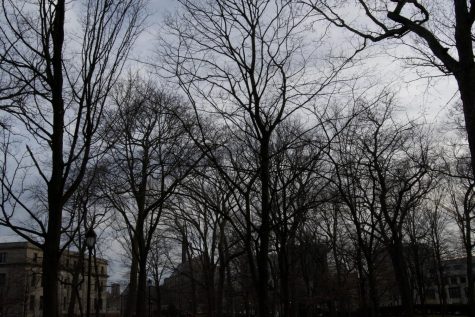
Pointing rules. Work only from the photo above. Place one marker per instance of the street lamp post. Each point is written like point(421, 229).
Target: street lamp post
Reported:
point(90, 243)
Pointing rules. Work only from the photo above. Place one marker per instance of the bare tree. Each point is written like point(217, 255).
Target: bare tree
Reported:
point(245, 63)
point(84, 211)
point(201, 222)
point(159, 265)
point(56, 91)
point(390, 169)
point(350, 184)
point(150, 153)
point(398, 159)
point(443, 38)
point(461, 206)
point(296, 190)
point(439, 223)
point(420, 257)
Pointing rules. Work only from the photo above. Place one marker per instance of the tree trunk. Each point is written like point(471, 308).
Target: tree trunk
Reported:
point(363, 302)
point(264, 230)
point(140, 310)
point(50, 277)
point(158, 301)
point(441, 284)
point(284, 279)
point(373, 291)
point(51, 252)
point(465, 73)
point(221, 274)
point(77, 270)
point(191, 276)
point(402, 278)
point(132, 295)
point(469, 260)
point(211, 293)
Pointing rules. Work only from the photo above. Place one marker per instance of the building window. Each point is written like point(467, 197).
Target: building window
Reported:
point(41, 302)
point(35, 257)
point(65, 303)
point(32, 302)
point(3, 257)
point(3, 279)
point(453, 280)
point(463, 279)
point(454, 292)
point(33, 279)
point(102, 270)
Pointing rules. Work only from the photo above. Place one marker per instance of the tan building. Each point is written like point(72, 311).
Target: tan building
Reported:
point(21, 283)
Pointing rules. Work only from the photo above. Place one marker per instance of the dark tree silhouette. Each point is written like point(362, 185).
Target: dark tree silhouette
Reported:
point(443, 33)
point(55, 92)
point(150, 153)
point(245, 63)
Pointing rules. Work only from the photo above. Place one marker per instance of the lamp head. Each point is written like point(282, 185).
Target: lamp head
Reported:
point(90, 238)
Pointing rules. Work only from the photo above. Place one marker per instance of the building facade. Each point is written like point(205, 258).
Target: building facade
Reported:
point(21, 290)
point(454, 285)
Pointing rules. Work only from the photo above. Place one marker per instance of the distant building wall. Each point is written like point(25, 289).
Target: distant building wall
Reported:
point(454, 284)
point(21, 288)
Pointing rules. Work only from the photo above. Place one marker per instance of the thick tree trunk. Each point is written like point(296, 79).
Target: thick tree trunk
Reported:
point(420, 278)
point(132, 295)
point(158, 300)
point(284, 279)
point(142, 305)
point(373, 291)
point(264, 230)
point(402, 278)
point(466, 82)
point(229, 295)
point(469, 260)
point(470, 288)
point(141, 254)
point(191, 275)
point(50, 278)
point(211, 293)
point(221, 274)
point(465, 71)
point(51, 252)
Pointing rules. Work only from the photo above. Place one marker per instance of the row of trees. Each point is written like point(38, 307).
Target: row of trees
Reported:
point(274, 143)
